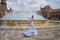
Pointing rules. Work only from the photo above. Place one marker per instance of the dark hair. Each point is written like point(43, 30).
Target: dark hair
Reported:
point(32, 16)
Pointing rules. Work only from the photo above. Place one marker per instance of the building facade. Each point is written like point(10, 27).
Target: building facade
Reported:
point(50, 13)
point(3, 8)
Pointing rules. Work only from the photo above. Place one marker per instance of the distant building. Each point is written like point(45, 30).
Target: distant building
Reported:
point(50, 13)
point(3, 8)
point(10, 10)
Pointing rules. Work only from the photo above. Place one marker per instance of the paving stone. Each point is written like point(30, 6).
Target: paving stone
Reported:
point(18, 35)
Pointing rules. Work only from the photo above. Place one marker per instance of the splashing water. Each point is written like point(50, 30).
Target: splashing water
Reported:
point(22, 15)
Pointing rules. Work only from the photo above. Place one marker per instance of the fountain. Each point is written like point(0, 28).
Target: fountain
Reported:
point(22, 15)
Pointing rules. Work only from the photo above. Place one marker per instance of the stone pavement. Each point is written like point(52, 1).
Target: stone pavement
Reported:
point(17, 34)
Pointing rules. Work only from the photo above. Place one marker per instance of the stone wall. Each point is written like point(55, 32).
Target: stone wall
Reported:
point(20, 23)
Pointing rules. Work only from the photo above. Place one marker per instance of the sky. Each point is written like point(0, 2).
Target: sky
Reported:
point(19, 5)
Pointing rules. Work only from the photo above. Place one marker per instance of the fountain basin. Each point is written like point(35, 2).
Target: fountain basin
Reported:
point(22, 15)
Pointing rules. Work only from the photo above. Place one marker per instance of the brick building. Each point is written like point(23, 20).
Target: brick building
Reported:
point(3, 8)
point(50, 13)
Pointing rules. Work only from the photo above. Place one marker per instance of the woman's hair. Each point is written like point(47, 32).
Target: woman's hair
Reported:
point(32, 16)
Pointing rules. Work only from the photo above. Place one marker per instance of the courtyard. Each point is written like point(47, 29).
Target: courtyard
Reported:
point(52, 33)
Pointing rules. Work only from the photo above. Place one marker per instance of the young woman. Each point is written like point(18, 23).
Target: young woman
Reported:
point(31, 31)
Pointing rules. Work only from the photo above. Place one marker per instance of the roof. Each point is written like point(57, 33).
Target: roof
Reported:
point(46, 7)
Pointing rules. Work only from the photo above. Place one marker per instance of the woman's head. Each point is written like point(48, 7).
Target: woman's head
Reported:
point(32, 16)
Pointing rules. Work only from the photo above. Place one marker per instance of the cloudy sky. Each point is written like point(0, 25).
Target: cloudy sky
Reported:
point(19, 5)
